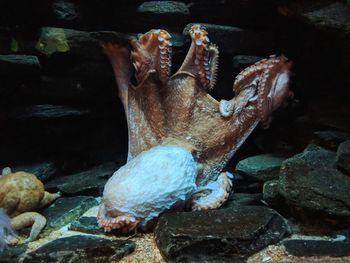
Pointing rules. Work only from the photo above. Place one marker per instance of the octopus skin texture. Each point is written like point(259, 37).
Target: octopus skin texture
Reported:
point(21, 194)
point(181, 138)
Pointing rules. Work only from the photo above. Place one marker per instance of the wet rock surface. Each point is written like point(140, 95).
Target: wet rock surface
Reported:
point(263, 167)
point(43, 170)
point(66, 210)
point(330, 139)
point(81, 249)
point(343, 157)
point(46, 112)
point(86, 224)
point(220, 235)
point(243, 199)
point(336, 247)
point(311, 180)
point(24, 65)
point(89, 182)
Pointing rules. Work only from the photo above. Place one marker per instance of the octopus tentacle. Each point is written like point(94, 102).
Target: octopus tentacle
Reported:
point(33, 219)
point(124, 222)
point(274, 80)
point(152, 53)
point(265, 77)
point(214, 194)
point(202, 59)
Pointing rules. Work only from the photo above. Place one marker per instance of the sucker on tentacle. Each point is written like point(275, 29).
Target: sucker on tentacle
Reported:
point(152, 53)
point(213, 53)
point(200, 38)
point(264, 75)
point(202, 58)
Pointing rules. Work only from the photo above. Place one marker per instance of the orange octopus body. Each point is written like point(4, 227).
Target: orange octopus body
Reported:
point(20, 192)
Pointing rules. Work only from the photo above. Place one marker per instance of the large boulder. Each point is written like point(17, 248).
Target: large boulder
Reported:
point(81, 248)
point(263, 167)
point(310, 180)
point(226, 235)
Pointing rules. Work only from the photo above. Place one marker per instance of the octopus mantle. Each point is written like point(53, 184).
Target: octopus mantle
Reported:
point(166, 113)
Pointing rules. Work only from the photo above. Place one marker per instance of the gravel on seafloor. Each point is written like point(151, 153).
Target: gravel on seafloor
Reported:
point(275, 253)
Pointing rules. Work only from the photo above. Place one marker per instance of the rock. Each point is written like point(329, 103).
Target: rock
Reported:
point(310, 180)
point(262, 167)
point(66, 210)
point(241, 62)
point(46, 112)
point(12, 254)
point(19, 65)
point(86, 224)
point(81, 248)
point(225, 235)
point(168, 12)
point(164, 7)
point(318, 246)
point(270, 190)
point(43, 170)
point(65, 10)
point(243, 199)
point(343, 157)
point(234, 40)
point(61, 40)
point(326, 16)
point(330, 139)
point(89, 182)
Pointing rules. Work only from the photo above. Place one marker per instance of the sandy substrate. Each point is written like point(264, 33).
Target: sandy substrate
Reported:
point(273, 254)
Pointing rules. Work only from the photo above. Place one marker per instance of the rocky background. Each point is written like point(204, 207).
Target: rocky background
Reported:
point(61, 119)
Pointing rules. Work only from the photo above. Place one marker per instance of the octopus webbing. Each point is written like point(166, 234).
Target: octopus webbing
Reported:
point(180, 137)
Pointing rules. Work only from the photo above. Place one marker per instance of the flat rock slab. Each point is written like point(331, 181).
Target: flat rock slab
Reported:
point(243, 199)
point(332, 16)
point(343, 157)
point(304, 247)
point(89, 182)
point(46, 112)
point(43, 170)
point(330, 139)
point(170, 12)
point(66, 210)
point(81, 248)
point(263, 167)
point(19, 65)
point(310, 180)
point(222, 235)
point(86, 224)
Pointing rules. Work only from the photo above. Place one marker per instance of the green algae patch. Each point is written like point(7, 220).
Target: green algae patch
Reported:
point(52, 40)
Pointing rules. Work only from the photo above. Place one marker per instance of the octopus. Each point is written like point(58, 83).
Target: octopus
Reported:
point(180, 137)
point(21, 194)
